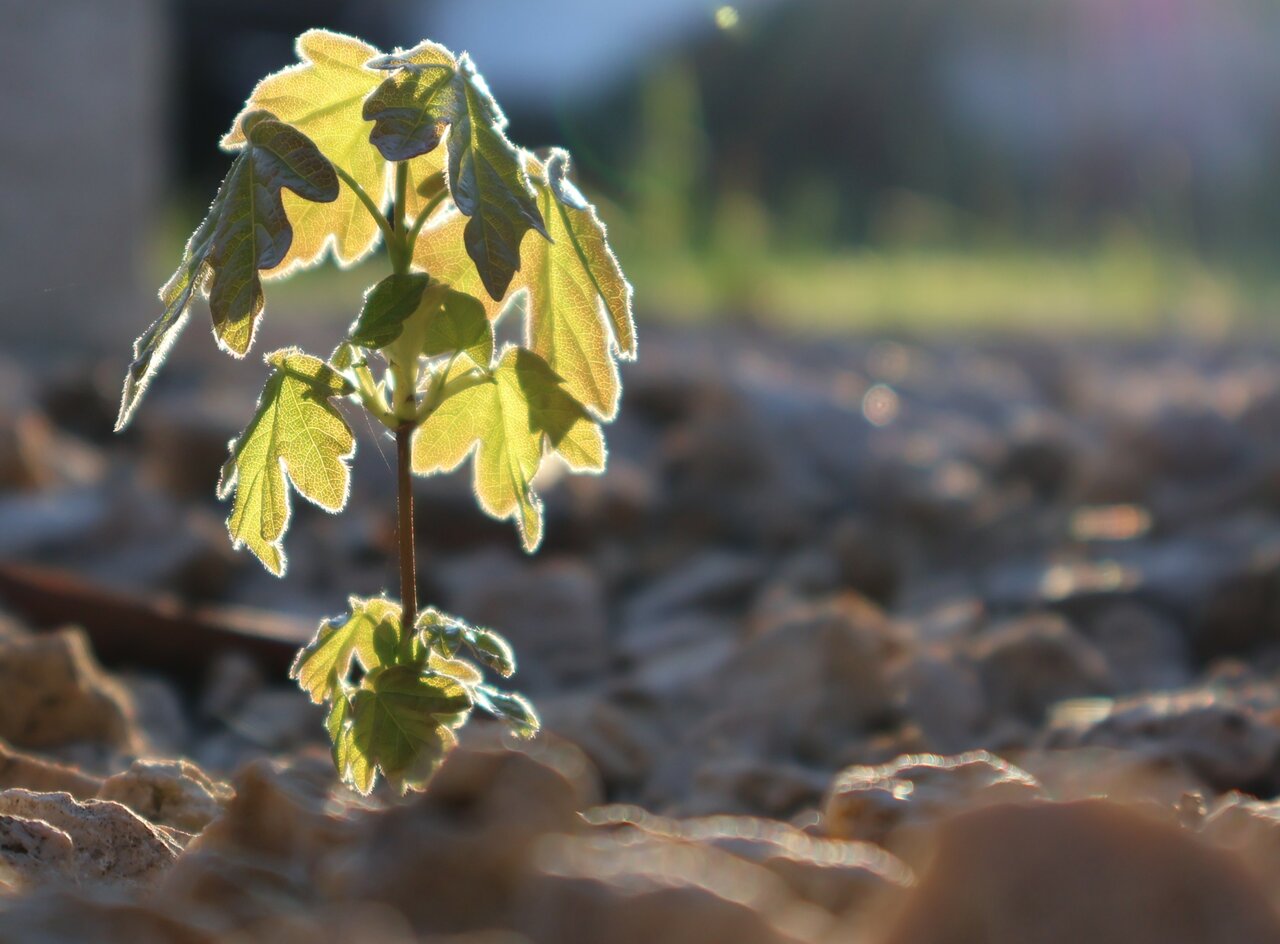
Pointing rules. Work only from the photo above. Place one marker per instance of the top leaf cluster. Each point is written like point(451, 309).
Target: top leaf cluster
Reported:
point(351, 147)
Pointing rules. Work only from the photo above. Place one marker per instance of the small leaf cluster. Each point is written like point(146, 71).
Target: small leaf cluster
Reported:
point(324, 149)
point(347, 149)
point(413, 689)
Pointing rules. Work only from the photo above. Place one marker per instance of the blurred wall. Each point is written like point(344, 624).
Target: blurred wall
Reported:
point(82, 166)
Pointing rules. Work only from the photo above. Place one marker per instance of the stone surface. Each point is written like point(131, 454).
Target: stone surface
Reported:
point(1027, 665)
point(874, 803)
point(56, 694)
point(33, 772)
point(168, 793)
point(1072, 872)
point(1218, 736)
point(109, 843)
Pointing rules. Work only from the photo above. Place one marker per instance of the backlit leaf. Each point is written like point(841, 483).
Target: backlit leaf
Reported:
point(505, 422)
point(402, 722)
point(246, 230)
point(579, 302)
point(511, 708)
point(492, 651)
point(323, 96)
point(296, 432)
point(321, 667)
point(452, 321)
point(579, 309)
point(428, 92)
point(386, 307)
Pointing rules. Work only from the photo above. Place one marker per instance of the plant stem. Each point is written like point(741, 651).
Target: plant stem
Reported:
point(404, 531)
point(387, 233)
point(400, 256)
point(404, 378)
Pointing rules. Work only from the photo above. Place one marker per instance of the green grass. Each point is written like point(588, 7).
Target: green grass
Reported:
point(1125, 290)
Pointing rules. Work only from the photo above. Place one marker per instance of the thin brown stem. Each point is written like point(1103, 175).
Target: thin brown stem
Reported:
point(404, 530)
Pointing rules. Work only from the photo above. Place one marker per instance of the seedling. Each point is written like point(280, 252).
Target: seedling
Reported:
point(342, 151)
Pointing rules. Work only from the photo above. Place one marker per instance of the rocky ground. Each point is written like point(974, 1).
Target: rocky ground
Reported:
point(845, 646)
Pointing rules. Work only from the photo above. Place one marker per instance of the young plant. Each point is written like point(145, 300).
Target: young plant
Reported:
point(342, 151)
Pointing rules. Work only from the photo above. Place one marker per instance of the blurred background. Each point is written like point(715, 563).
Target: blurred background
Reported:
point(818, 163)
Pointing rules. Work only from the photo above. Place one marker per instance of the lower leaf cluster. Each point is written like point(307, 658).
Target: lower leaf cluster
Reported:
point(395, 698)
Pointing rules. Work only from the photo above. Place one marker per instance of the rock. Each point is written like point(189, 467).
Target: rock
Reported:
point(233, 677)
point(1143, 650)
point(473, 832)
point(553, 612)
point(1241, 612)
point(1063, 873)
point(1250, 829)
point(62, 914)
point(943, 698)
point(110, 844)
point(274, 812)
point(159, 713)
point(672, 653)
point(875, 803)
point(745, 785)
point(55, 694)
point(30, 772)
point(712, 580)
point(1126, 776)
point(621, 745)
point(266, 853)
point(1028, 664)
point(271, 720)
point(865, 561)
point(173, 793)
point(34, 852)
point(278, 719)
point(1217, 736)
point(806, 684)
point(603, 888)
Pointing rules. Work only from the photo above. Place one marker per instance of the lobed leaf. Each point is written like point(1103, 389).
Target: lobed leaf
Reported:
point(402, 721)
point(506, 423)
point(321, 667)
point(296, 432)
point(323, 96)
point(245, 231)
point(453, 321)
point(428, 92)
point(579, 306)
point(510, 707)
point(386, 306)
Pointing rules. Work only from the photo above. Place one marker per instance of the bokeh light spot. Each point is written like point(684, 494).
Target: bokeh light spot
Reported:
point(880, 405)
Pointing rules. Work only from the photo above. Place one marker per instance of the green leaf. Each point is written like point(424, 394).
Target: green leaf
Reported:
point(492, 651)
point(428, 91)
point(452, 321)
point(322, 666)
point(580, 315)
point(579, 306)
point(352, 765)
point(246, 231)
point(511, 707)
point(322, 96)
point(386, 306)
point(443, 633)
point(296, 432)
point(402, 723)
point(506, 423)
point(459, 669)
